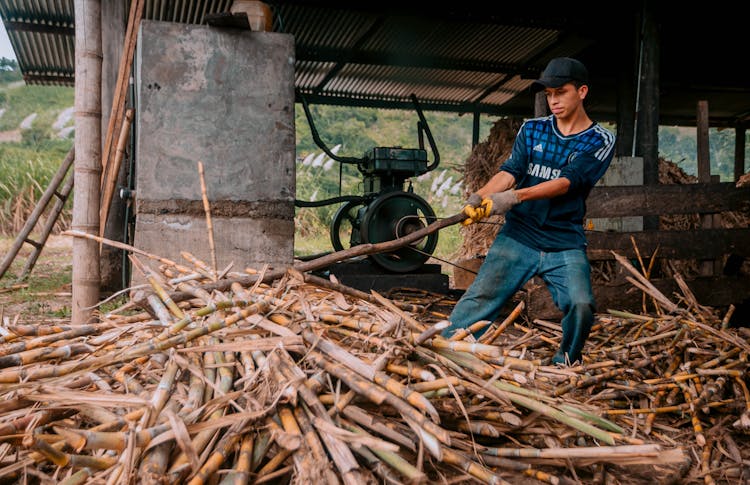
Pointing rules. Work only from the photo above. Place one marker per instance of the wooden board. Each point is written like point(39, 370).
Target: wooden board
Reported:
point(695, 244)
point(666, 199)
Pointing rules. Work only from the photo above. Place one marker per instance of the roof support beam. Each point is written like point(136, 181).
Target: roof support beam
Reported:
point(50, 79)
point(408, 104)
point(324, 54)
point(26, 26)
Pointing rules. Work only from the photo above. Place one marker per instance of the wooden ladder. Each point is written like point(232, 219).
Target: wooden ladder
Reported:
point(56, 188)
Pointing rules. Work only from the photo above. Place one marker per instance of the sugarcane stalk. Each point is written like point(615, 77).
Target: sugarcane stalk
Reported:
point(241, 473)
point(161, 395)
point(436, 384)
point(179, 468)
point(45, 340)
point(394, 460)
point(472, 468)
point(478, 428)
point(469, 347)
point(462, 333)
point(490, 337)
point(359, 416)
point(578, 452)
point(81, 476)
point(700, 438)
point(261, 445)
point(591, 381)
point(355, 323)
point(196, 388)
point(410, 370)
point(160, 310)
point(314, 445)
point(378, 395)
point(153, 281)
point(706, 462)
point(341, 403)
point(9, 430)
point(347, 290)
point(220, 454)
point(21, 330)
point(131, 354)
point(341, 454)
point(678, 408)
point(209, 223)
point(46, 353)
point(155, 461)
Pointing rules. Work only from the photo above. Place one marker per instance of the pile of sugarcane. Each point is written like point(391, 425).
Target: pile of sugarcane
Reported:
point(222, 378)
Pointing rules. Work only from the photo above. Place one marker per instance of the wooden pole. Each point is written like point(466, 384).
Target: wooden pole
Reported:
point(647, 119)
point(475, 129)
point(704, 157)
point(704, 170)
point(87, 166)
point(540, 105)
point(739, 151)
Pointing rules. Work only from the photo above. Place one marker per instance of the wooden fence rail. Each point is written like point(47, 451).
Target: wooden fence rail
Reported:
point(718, 289)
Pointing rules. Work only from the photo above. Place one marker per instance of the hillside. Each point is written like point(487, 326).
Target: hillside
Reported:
point(36, 130)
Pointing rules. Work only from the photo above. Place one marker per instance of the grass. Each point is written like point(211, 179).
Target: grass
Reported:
point(47, 290)
point(26, 174)
point(46, 101)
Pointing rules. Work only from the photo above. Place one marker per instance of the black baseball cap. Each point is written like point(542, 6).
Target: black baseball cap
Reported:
point(562, 70)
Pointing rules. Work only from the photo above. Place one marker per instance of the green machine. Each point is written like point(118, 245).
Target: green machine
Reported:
point(389, 208)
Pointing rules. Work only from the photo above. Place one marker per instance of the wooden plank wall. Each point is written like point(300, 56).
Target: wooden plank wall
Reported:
point(712, 288)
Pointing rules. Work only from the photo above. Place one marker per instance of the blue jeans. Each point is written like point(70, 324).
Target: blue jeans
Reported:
point(508, 266)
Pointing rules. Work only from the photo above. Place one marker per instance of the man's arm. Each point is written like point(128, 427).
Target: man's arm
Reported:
point(545, 190)
point(500, 182)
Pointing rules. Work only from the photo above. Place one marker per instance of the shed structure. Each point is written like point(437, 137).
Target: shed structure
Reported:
point(651, 63)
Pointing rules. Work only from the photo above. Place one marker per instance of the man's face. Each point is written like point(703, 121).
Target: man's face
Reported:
point(566, 100)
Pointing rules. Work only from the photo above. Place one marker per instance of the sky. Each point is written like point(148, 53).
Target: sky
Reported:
point(5, 48)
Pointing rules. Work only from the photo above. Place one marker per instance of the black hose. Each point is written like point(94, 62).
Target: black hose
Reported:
point(333, 200)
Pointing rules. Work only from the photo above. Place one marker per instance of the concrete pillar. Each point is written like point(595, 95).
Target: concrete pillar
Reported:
point(223, 97)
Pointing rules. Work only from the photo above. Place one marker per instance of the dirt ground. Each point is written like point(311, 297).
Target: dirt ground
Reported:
point(46, 292)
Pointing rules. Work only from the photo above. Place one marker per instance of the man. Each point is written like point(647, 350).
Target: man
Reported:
point(542, 189)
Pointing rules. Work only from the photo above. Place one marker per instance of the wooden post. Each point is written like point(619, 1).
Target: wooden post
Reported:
point(647, 129)
point(704, 157)
point(739, 151)
point(87, 165)
point(626, 102)
point(540, 105)
point(704, 171)
point(475, 129)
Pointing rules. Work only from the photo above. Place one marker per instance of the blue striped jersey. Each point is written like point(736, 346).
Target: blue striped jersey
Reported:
point(541, 153)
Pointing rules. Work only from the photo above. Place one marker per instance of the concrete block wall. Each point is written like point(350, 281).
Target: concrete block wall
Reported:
point(223, 97)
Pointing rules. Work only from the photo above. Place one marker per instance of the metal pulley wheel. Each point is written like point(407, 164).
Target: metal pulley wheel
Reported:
point(344, 228)
point(394, 215)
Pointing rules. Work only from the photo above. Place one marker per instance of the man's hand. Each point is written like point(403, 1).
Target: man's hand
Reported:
point(500, 202)
point(474, 209)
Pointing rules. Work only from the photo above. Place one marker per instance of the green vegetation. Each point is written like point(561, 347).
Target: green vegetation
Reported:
point(27, 165)
point(351, 132)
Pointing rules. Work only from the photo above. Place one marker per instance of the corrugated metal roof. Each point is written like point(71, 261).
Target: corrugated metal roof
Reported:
point(473, 55)
point(360, 55)
point(43, 38)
